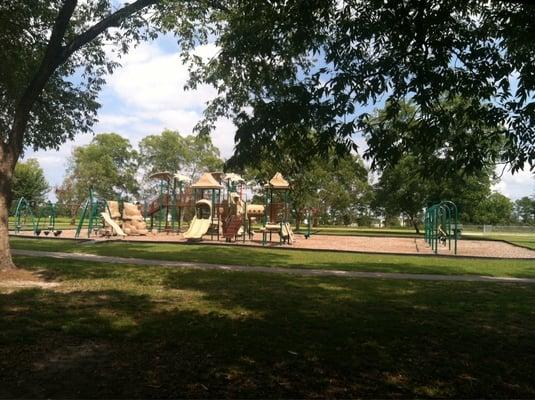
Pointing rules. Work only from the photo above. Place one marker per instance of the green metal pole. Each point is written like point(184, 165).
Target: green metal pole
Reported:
point(181, 204)
point(91, 212)
point(160, 203)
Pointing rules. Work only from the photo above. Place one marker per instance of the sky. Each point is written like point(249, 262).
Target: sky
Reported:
point(146, 95)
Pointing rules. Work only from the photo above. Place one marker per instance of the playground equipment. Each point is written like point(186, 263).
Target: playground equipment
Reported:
point(92, 208)
point(109, 221)
point(276, 213)
point(99, 215)
point(234, 210)
point(207, 196)
point(132, 220)
point(439, 227)
point(164, 204)
point(310, 215)
point(24, 216)
point(168, 205)
point(47, 213)
point(29, 217)
point(106, 218)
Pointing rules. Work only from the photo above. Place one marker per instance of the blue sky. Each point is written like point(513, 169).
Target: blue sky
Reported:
point(146, 95)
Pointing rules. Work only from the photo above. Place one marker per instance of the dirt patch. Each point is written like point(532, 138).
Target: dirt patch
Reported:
point(21, 278)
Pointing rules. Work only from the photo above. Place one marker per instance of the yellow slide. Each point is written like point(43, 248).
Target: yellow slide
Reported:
point(286, 232)
point(197, 228)
point(116, 228)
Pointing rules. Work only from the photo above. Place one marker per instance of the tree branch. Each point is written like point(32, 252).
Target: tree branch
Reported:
point(38, 82)
point(55, 55)
point(113, 20)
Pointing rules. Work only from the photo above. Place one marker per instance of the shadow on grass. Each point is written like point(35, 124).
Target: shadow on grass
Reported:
point(160, 332)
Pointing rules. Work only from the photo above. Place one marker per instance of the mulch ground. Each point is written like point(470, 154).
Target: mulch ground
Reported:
point(395, 245)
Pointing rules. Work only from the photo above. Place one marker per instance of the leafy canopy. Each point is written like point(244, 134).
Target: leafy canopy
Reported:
point(70, 71)
point(288, 68)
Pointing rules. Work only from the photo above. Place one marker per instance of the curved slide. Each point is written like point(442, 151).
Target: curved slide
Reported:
point(116, 228)
point(197, 228)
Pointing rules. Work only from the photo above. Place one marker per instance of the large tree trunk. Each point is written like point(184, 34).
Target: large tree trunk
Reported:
point(6, 174)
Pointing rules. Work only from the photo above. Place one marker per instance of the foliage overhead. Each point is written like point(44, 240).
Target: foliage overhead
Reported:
point(288, 68)
point(55, 55)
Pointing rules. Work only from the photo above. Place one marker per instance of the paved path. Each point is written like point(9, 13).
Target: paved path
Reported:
point(272, 270)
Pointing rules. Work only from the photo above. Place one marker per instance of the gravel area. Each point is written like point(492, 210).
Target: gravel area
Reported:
point(388, 244)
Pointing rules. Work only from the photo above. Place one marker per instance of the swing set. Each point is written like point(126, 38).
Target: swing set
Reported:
point(29, 217)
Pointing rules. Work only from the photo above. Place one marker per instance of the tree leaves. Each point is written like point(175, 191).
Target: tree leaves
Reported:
point(286, 69)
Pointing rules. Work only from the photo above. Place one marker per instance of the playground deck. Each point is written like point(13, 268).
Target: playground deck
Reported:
point(387, 245)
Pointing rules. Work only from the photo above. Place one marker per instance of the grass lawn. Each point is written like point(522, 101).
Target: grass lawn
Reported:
point(61, 223)
point(288, 258)
point(133, 331)
point(524, 240)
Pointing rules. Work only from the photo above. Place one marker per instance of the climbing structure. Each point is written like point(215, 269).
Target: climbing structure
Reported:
point(166, 209)
point(441, 223)
point(91, 214)
point(277, 210)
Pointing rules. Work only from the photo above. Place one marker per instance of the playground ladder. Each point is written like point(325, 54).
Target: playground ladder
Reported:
point(233, 225)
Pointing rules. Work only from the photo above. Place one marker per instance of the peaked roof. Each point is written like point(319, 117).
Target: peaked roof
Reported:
point(206, 181)
point(230, 176)
point(164, 175)
point(278, 182)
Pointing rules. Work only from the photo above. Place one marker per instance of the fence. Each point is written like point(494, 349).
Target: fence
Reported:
point(524, 229)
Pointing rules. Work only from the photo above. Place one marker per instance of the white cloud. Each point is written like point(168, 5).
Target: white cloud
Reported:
point(152, 80)
point(516, 185)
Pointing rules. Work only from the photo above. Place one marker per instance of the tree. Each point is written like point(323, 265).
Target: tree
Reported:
point(29, 182)
point(69, 199)
point(525, 209)
point(53, 66)
point(338, 188)
point(163, 152)
point(286, 67)
point(467, 192)
point(201, 155)
point(107, 166)
point(345, 191)
point(407, 188)
point(496, 209)
point(173, 152)
point(402, 189)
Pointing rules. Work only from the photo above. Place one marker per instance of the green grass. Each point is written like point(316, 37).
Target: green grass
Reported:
point(288, 258)
point(152, 332)
point(61, 223)
point(524, 240)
